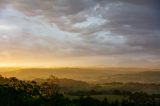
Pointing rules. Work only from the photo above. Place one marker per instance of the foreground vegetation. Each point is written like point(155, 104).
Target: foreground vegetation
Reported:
point(14, 92)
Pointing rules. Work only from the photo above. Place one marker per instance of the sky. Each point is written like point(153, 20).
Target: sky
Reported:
point(80, 33)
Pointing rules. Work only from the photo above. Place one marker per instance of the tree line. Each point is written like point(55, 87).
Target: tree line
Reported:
point(14, 92)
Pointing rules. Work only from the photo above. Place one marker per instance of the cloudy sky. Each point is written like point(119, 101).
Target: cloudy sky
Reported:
point(80, 33)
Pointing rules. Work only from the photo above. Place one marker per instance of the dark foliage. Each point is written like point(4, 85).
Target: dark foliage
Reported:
point(16, 92)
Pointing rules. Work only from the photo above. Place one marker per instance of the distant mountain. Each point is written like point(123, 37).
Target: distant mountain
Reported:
point(88, 74)
point(96, 75)
point(142, 77)
point(8, 69)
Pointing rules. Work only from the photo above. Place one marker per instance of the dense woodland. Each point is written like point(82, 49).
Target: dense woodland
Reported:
point(14, 92)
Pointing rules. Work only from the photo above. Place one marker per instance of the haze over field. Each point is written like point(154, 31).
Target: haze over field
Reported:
point(90, 75)
point(80, 33)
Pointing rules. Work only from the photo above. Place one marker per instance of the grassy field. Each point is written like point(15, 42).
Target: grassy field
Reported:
point(110, 98)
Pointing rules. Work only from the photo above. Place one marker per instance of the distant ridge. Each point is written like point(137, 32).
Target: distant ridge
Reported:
point(89, 74)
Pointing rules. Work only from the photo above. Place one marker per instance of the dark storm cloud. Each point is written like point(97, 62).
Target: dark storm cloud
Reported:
point(52, 7)
point(3, 3)
point(128, 28)
point(139, 24)
point(137, 20)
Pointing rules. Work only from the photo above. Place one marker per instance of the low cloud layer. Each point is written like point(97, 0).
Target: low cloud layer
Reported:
point(109, 32)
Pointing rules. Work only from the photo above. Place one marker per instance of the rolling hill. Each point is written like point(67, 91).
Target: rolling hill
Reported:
point(97, 75)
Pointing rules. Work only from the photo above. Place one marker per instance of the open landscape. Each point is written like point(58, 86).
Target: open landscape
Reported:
point(79, 53)
point(76, 86)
